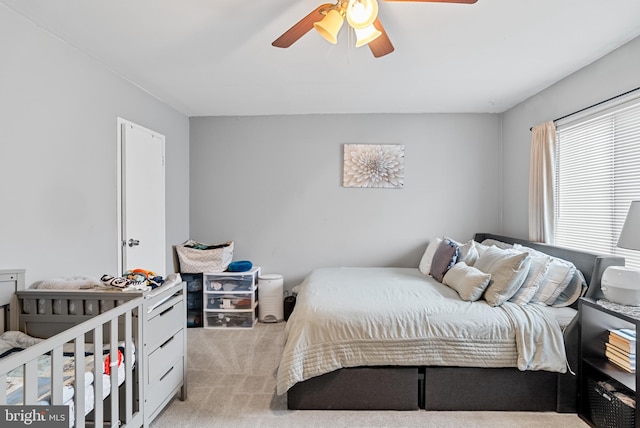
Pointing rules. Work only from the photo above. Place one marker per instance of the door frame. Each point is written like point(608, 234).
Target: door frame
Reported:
point(121, 239)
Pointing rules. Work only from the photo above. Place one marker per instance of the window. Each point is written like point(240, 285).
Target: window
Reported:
point(597, 177)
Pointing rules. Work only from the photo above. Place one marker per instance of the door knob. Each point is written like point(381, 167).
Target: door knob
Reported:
point(133, 242)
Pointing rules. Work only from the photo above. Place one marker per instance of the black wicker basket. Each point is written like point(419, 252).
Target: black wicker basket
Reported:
point(607, 410)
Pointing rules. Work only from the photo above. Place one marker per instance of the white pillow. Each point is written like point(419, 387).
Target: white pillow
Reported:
point(69, 283)
point(502, 245)
point(468, 281)
point(427, 257)
point(576, 288)
point(537, 271)
point(480, 248)
point(508, 269)
point(562, 283)
point(559, 274)
point(468, 252)
point(562, 287)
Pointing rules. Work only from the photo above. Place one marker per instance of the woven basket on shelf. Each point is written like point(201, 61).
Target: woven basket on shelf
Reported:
point(212, 258)
point(607, 410)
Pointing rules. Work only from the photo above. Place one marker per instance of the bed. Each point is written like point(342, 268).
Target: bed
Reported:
point(137, 373)
point(394, 338)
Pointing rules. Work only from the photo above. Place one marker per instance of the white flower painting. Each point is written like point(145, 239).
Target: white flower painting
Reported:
point(373, 165)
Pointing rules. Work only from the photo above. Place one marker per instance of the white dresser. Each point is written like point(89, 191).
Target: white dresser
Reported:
point(164, 349)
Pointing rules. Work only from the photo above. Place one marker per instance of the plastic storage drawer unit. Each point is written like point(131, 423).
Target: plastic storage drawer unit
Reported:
point(230, 299)
point(230, 319)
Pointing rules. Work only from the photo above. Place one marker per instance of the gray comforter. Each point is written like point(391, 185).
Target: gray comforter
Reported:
point(349, 317)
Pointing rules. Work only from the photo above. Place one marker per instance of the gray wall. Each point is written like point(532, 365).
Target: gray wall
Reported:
point(273, 185)
point(613, 74)
point(58, 111)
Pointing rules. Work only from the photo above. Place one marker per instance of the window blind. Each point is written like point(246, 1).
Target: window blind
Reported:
point(597, 177)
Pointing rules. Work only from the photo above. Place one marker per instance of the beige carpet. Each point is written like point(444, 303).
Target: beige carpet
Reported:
point(231, 383)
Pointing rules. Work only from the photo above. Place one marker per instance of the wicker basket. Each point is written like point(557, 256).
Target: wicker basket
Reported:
point(607, 410)
point(211, 258)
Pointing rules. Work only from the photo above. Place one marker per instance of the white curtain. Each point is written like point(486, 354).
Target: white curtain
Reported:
point(542, 179)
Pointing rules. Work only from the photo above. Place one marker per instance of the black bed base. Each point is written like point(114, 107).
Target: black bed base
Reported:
point(360, 388)
point(431, 388)
point(465, 388)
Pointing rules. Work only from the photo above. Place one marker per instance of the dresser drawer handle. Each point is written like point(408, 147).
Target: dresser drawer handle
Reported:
point(167, 341)
point(166, 310)
point(165, 375)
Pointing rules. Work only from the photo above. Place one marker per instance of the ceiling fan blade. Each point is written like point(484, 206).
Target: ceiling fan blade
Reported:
point(381, 46)
point(301, 28)
point(436, 1)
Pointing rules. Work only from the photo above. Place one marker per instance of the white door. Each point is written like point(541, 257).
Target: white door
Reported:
point(142, 199)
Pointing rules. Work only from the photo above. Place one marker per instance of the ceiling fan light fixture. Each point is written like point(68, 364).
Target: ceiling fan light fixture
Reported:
point(361, 13)
point(330, 25)
point(366, 35)
point(328, 18)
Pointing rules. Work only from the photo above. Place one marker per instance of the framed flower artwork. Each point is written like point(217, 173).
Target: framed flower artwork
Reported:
point(373, 165)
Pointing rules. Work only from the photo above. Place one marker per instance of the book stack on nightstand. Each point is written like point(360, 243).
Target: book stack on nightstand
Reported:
point(621, 349)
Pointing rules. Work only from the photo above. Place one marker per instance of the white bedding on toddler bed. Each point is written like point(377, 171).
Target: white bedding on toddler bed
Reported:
point(350, 317)
point(14, 386)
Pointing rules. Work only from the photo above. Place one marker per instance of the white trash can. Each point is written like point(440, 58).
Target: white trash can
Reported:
point(270, 298)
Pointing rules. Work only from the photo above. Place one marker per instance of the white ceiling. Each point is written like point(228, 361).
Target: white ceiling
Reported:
point(214, 57)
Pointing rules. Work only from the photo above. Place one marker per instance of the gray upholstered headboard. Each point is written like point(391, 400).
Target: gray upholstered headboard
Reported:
point(591, 265)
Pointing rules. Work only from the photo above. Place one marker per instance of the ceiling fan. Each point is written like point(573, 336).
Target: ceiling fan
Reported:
point(362, 16)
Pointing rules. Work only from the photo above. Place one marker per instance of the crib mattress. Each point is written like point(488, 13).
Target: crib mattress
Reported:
point(15, 377)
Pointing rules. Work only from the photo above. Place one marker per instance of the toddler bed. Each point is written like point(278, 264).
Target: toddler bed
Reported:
point(56, 365)
point(392, 338)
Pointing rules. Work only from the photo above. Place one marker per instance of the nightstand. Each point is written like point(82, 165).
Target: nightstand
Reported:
point(596, 408)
